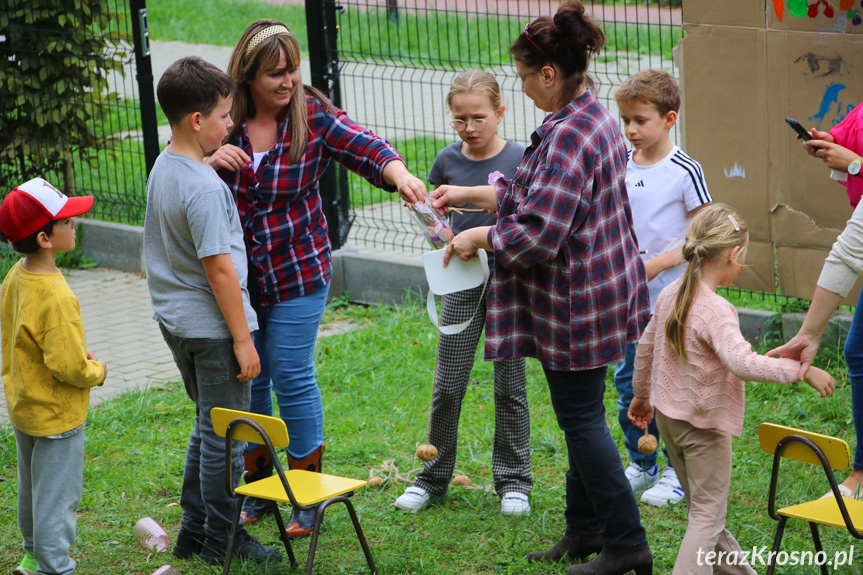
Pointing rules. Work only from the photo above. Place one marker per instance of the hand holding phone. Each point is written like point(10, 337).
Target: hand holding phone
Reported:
point(801, 131)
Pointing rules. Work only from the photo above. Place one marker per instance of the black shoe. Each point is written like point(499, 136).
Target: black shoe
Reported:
point(246, 548)
point(188, 544)
point(579, 547)
point(607, 563)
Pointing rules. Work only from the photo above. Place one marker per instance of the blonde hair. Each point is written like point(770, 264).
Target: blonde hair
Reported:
point(246, 61)
point(655, 87)
point(714, 230)
point(475, 82)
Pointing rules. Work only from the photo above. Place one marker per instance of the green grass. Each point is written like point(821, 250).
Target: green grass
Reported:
point(376, 387)
point(220, 23)
point(419, 37)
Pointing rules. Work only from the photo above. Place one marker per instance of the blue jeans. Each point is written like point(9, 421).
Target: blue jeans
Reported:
point(209, 369)
point(631, 434)
point(598, 496)
point(286, 345)
point(854, 358)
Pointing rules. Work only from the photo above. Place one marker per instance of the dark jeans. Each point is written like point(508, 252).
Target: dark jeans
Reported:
point(209, 369)
point(598, 496)
point(854, 358)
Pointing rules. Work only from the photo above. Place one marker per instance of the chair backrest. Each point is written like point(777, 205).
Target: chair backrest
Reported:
point(836, 451)
point(273, 426)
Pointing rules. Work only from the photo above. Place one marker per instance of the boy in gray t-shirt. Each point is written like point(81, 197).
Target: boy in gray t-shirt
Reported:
point(196, 272)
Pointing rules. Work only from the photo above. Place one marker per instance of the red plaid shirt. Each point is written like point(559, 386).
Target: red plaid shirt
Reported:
point(280, 207)
point(569, 287)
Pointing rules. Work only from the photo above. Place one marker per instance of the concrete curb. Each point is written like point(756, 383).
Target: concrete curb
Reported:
point(374, 277)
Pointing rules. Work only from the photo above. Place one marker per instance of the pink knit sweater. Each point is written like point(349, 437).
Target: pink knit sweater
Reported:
point(706, 390)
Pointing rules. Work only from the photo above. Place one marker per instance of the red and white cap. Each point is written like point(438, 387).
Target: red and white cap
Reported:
point(29, 207)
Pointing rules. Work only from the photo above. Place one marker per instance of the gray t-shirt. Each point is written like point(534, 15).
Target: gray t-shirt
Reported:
point(190, 215)
point(452, 167)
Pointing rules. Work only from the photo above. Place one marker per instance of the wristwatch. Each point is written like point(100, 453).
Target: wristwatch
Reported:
point(854, 167)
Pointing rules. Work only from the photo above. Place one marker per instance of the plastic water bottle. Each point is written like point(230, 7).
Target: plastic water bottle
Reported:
point(166, 570)
point(151, 535)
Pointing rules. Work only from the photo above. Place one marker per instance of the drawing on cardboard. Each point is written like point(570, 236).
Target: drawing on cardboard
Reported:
point(821, 65)
point(735, 171)
point(802, 8)
point(831, 111)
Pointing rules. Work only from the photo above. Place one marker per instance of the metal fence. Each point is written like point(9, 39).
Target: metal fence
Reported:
point(110, 166)
point(396, 61)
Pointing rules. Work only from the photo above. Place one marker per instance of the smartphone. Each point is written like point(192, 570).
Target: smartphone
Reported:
point(801, 131)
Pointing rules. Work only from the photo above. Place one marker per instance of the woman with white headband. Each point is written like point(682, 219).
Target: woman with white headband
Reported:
point(285, 134)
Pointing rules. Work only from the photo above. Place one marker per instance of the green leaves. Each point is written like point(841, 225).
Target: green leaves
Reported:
point(55, 61)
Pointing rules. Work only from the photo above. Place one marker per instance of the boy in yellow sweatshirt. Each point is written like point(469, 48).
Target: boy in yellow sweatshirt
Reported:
point(47, 372)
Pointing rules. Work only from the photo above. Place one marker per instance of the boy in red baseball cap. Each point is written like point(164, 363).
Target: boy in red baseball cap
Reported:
point(47, 372)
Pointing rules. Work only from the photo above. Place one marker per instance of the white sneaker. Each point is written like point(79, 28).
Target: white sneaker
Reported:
point(513, 503)
point(640, 478)
point(413, 499)
point(666, 492)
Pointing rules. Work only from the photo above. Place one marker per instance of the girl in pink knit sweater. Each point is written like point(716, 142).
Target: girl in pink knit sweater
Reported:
point(689, 364)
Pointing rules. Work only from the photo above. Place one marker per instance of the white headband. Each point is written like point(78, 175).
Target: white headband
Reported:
point(264, 34)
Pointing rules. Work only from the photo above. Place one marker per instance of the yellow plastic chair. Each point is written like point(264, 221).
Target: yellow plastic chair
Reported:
point(828, 452)
point(300, 488)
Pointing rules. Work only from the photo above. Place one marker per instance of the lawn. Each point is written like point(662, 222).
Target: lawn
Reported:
point(376, 385)
point(419, 37)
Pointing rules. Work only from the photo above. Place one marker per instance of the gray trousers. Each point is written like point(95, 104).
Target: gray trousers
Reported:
point(50, 480)
point(209, 369)
point(455, 356)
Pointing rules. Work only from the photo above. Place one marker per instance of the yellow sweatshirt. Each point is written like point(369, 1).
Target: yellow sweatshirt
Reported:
point(46, 374)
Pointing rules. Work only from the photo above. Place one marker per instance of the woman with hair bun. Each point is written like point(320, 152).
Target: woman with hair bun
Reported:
point(569, 287)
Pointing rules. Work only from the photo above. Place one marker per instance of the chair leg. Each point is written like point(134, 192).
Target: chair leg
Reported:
point(282, 535)
point(313, 543)
point(366, 550)
point(229, 552)
point(780, 529)
point(816, 539)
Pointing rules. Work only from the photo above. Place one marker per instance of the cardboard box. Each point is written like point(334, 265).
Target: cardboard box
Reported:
point(759, 273)
point(803, 85)
point(744, 13)
point(740, 81)
point(726, 103)
point(799, 269)
point(822, 16)
point(796, 228)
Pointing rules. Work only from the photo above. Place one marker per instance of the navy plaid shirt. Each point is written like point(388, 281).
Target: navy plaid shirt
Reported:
point(280, 207)
point(569, 287)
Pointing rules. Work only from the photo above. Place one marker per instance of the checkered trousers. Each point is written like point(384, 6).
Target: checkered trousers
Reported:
point(511, 455)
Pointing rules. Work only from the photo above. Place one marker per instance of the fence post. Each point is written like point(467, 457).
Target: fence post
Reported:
point(144, 75)
point(323, 34)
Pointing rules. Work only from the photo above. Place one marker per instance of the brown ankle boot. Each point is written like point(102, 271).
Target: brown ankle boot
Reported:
point(302, 522)
point(573, 548)
point(607, 563)
point(257, 466)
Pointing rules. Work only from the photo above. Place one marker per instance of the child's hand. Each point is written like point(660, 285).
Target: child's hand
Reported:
point(247, 357)
point(820, 380)
point(640, 412)
point(90, 355)
point(104, 369)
